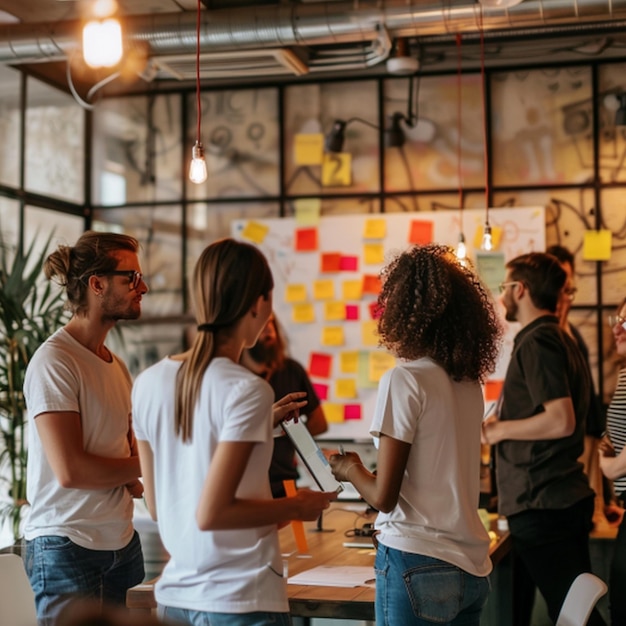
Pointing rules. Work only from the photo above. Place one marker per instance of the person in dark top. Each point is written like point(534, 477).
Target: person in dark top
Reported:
point(268, 359)
point(542, 488)
point(595, 424)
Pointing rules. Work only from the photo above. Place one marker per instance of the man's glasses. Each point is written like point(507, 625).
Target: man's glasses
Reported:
point(134, 277)
point(617, 319)
point(502, 286)
point(571, 292)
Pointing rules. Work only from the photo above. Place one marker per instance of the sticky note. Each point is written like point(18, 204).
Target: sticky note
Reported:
point(337, 169)
point(374, 229)
point(307, 211)
point(352, 412)
point(363, 371)
point(330, 262)
point(373, 253)
point(305, 239)
point(380, 362)
point(345, 388)
point(333, 412)
point(320, 364)
point(375, 310)
point(323, 290)
point(490, 266)
point(420, 232)
point(303, 313)
point(348, 362)
point(334, 311)
point(349, 264)
point(255, 232)
point(321, 390)
point(295, 293)
point(333, 336)
point(369, 333)
point(493, 389)
point(308, 148)
point(597, 245)
point(371, 284)
point(352, 312)
point(297, 526)
point(352, 289)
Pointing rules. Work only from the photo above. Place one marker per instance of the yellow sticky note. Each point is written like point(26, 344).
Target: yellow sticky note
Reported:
point(352, 289)
point(333, 336)
point(334, 311)
point(345, 388)
point(307, 211)
point(295, 293)
point(363, 371)
point(303, 313)
point(374, 229)
point(496, 237)
point(348, 362)
point(373, 253)
point(308, 148)
point(323, 290)
point(255, 232)
point(380, 362)
point(369, 333)
point(333, 412)
point(597, 245)
point(337, 169)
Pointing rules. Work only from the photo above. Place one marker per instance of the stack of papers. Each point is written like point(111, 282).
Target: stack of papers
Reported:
point(335, 576)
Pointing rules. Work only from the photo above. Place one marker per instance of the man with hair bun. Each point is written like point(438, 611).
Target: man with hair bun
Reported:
point(83, 466)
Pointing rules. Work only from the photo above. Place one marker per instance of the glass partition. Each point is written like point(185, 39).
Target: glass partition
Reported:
point(10, 118)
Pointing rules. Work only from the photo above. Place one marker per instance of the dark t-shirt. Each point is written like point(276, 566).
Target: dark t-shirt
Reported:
point(545, 365)
point(292, 377)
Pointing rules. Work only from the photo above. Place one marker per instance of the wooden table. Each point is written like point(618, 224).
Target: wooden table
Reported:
point(325, 548)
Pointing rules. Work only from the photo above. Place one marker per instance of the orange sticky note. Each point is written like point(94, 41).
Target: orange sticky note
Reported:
point(371, 284)
point(296, 525)
point(330, 262)
point(305, 239)
point(421, 232)
point(493, 389)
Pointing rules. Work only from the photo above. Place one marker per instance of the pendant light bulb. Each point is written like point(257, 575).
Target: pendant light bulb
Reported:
point(198, 170)
point(487, 243)
point(461, 248)
point(102, 43)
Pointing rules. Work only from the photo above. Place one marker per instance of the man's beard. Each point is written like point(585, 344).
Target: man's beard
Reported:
point(262, 352)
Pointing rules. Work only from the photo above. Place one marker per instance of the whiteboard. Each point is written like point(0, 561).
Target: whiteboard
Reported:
point(516, 231)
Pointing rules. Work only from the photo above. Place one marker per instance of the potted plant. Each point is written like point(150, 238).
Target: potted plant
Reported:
point(31, 309)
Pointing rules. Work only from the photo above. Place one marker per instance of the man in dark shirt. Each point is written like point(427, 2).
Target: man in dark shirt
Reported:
point(542, 488)
point(268, 359)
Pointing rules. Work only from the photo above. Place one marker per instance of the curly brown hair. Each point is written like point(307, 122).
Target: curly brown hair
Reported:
point(433, 306)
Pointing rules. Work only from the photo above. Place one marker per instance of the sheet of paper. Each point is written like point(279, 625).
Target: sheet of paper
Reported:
point(335, 576)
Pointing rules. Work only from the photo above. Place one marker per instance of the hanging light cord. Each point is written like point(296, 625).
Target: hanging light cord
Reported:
point(198, 100)
point(460, 126)
point(484, 107)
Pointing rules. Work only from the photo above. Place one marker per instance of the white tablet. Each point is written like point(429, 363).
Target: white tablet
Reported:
point(311, 455)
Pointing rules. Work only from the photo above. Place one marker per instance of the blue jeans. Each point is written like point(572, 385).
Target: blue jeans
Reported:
point(60, 571)
point(419, 590)
point(203, 618)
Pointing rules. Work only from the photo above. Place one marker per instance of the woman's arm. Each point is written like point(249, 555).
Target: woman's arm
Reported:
point(380, 490)
point(147, 470)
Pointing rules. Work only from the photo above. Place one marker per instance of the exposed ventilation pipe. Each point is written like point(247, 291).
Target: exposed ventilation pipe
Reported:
point(305, 24)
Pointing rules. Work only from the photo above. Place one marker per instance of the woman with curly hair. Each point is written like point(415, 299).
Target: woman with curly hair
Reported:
point(432, 559)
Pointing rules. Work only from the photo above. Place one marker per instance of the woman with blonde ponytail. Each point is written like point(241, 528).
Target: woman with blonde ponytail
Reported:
point(204, 426)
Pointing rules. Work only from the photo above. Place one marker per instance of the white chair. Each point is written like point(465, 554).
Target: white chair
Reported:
point(17, 600)
point(582, 596)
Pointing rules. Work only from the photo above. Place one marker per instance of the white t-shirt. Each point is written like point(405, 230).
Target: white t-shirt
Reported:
point(437, 511)
point(63, 375)
point(226, 571)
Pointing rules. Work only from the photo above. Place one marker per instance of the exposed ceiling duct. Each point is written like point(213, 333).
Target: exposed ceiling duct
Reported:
point(366, 25)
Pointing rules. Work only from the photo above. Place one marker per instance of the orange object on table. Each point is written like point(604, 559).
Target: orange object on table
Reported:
point(296, 525)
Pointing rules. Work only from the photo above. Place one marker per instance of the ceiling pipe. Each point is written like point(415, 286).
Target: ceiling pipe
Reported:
point(305, 24)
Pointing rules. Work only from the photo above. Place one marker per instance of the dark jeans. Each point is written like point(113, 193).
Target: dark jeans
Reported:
point(617, 580)
point(551, 547)
point(60, 571)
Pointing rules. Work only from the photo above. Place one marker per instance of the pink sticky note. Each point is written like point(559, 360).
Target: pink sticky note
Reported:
point(349, 264)
point(352, 311)
point(321, 390)
point(375, 310)
point(352, 412)
point(320, 364)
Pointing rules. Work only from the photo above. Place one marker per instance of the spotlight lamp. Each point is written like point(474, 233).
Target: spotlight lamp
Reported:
point(335, 138)
point(620, 114)
point(394, 135)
